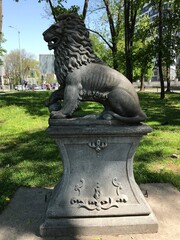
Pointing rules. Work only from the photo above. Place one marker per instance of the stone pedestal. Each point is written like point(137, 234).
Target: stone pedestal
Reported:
point(97, 193)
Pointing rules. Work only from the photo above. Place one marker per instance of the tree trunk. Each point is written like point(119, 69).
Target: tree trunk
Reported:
point(142, 81)
point(113, 34)
point(168, 79)
point(160, 9)
point(128, 40)
point(86, 2)
point(114, 54)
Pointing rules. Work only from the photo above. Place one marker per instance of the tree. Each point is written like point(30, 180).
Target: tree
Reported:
point(101, 50)
point(143, 48)
point(11, 62)
point(116, 22)
point(160, 44)
point(131, 8)
point(114, 25)
point(167, 38)
point(111, 19)
point(171, 39)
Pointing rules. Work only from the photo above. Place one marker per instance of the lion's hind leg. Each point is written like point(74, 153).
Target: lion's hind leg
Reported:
point(125, 103)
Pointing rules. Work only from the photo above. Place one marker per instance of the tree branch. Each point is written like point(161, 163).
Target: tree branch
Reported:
point(109, 45)
point(97, 9)
point(110, 18)
point(52, 9)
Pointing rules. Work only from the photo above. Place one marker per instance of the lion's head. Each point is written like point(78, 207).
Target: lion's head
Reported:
point(72, 47)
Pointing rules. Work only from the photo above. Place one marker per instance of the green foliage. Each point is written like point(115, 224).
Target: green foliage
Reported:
point(60, 9)
point(2, 50)
point(170, 31)
point(143, 49)
point(101, 50)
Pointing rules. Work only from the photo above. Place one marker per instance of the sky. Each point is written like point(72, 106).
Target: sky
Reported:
point(30, 19)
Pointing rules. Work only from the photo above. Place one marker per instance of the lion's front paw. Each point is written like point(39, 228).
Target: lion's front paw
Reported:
point(57, 115)
point(54, 107)
point(47, 103)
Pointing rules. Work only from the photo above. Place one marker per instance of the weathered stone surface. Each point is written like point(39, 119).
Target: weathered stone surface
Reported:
point(97, 189)
point(83, 77)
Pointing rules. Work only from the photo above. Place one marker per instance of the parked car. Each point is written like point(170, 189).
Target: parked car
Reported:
point(34, 87)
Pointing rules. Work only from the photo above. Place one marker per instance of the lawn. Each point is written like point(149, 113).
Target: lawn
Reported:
point(28, 157)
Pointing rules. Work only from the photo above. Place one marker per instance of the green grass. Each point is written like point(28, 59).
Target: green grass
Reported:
point(28, 157)
point(154, 160)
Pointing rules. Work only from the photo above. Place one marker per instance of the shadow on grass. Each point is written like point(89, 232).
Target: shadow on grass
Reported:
point(32, 101)
point(149, 152)
point(144, 175)
point(149, 155)
point(32, 159)
point(166, 111)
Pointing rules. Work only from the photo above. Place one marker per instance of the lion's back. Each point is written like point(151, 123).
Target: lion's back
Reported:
point(99, 77)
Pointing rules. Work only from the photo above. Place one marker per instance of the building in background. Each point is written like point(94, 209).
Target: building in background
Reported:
point(46, 63)
point(151, 12)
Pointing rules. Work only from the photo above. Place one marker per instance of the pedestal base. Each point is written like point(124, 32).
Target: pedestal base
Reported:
point(71, 227)
point(97, 190)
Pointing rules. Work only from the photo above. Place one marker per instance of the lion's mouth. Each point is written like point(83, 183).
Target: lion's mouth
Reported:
point(53, 42)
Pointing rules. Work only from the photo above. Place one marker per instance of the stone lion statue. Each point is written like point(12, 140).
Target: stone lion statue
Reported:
point(84, 77)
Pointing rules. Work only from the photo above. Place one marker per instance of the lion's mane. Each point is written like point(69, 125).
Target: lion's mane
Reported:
point(75, 48)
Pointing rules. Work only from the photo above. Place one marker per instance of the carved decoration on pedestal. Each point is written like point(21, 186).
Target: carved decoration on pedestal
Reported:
point(98, 146)
point(79, 186)
point(99, 202)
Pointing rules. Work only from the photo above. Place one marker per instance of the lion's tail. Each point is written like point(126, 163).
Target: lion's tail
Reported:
point(136, 119)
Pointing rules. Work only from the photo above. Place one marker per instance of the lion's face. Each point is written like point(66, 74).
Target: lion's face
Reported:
point(72, 47)
point(53, 35)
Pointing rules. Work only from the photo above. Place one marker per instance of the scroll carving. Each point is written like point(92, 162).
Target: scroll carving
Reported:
point(98, 201)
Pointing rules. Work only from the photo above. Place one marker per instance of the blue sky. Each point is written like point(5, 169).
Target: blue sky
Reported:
point(28, 17)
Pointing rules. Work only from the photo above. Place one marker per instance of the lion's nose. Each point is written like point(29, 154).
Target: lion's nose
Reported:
point(44, 33)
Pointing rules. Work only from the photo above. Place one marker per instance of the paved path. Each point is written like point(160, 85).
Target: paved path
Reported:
point(23, 216)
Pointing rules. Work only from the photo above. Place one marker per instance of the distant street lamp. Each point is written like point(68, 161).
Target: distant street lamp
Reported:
point(20, 62)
